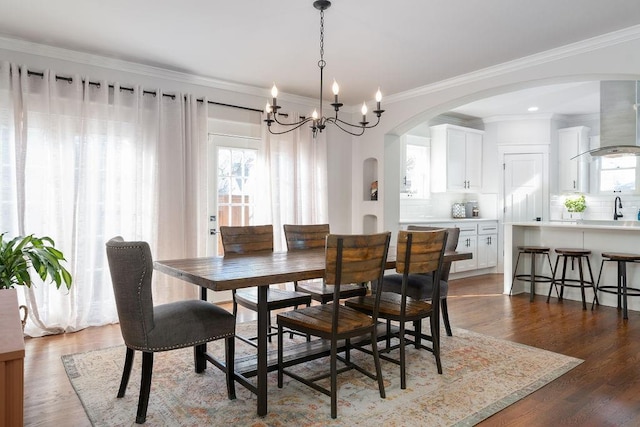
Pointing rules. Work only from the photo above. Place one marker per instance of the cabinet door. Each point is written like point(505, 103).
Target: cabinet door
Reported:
point(473, 165)
point(467, 244)
point(456, 160)
point(568, 143)
point(487, 250)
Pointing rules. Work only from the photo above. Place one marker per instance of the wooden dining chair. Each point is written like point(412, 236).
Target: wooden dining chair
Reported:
point(150, 329)
point(305, 237)
point(420, 286)
point(349, 259)
point(418, 252)
point(252, 239)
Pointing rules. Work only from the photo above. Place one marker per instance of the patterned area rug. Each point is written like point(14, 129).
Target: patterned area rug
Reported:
point(481, 376)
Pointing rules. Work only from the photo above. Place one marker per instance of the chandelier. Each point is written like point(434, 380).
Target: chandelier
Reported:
point(318, 121)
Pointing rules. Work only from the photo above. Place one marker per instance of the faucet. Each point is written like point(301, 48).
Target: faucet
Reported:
point(617, 204)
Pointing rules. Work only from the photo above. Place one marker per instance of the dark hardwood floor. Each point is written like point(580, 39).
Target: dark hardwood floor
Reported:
point(602, 391)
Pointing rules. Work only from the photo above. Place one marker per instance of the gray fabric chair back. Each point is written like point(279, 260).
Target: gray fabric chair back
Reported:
point(450, 245)
point(131, 267)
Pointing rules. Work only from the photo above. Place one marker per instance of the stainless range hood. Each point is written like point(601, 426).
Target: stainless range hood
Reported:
point(618, 120)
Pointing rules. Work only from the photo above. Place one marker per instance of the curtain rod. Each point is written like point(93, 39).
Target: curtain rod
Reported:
point(148, 92)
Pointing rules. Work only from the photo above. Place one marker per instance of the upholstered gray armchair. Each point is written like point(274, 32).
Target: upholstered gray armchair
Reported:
point(189, 323)
point(420, 286)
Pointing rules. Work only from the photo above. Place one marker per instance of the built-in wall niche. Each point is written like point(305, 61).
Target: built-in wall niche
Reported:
point(370, 224)
point(370, 179)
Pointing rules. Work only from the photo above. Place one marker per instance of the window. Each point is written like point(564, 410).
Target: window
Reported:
point(415, 180)
point(618, 174)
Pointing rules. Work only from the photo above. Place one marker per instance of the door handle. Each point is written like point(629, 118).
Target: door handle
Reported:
point(213, 232)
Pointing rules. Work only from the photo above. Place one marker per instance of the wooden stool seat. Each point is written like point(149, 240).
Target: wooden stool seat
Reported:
point(620, 289)
point(575, 254)
point(532, 277)
point(534, 249)
point(573, 251)
point(619, 256)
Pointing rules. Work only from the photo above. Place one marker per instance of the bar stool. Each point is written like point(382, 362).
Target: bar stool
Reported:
point(575, 254)
point(532, 277)
point(621, 289)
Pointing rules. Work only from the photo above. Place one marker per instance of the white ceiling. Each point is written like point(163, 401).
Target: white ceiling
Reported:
point(397, 46)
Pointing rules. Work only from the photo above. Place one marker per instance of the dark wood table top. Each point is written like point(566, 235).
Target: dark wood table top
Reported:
point(235, 272)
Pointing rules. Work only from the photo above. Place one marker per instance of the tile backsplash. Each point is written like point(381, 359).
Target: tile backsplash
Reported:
point(598, 207)
point(438, 206)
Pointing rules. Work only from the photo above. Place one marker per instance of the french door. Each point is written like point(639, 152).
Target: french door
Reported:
point(232, 185)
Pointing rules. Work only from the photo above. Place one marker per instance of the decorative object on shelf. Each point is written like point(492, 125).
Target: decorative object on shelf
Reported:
point(575, 206)
point(458, 210)
point(319, 121)
point(374, 190)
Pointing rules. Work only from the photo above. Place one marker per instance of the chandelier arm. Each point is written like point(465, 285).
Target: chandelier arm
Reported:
point(331, 120)
point(297, 125)
point(300, 122)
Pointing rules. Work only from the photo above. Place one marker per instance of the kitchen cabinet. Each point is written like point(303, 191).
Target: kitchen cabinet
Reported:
point(487, 246)
point(467, 242)
point(573, 174)
point(480, 237)
point(456, 159)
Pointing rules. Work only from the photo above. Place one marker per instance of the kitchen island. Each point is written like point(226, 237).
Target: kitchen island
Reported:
point(597, 236)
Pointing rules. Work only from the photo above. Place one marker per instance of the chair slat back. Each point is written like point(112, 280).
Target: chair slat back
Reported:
point(301, 237)
point(237, 240)
point(450, 246)
point(425, 253)
point(363, 258)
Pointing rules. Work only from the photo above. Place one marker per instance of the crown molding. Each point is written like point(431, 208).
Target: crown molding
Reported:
point(594, 43)
point(32, 48)
point(563, 52)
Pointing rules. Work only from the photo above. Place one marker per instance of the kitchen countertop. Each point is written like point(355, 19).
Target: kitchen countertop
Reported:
point(584, 224)
point(437, 220)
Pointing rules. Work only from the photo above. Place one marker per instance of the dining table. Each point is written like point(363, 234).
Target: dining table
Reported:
point(224, 273)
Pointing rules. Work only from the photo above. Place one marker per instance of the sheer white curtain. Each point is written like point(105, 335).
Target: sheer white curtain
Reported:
point(295, 165)
point(82, 163)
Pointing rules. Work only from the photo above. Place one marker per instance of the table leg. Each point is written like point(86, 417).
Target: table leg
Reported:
point(263, 325)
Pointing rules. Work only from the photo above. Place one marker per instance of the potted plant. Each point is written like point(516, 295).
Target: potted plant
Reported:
point(575, 206)
point(20, 254)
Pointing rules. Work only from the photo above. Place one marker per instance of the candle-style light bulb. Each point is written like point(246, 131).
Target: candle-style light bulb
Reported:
point(364, 109)
point(267, 108)
point(274, 94)
point(378, 95)
point(314, 115)
point(335, 87)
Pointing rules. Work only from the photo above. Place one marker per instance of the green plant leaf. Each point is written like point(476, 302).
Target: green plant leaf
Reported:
point(20, 254)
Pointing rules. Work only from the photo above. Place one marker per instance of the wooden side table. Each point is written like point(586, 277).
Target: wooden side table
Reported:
point(11, 361)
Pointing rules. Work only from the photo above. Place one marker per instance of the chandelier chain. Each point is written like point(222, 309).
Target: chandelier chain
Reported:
point(321, 63)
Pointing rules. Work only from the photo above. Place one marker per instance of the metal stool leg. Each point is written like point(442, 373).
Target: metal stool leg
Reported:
point(553, 279)
point(595, 296)
point(515, 272)
point(593, 286)
point(622, 275)
point(533, 277)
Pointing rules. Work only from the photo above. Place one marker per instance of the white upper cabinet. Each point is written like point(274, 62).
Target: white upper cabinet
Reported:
point(456, 159)
point(573, 174)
